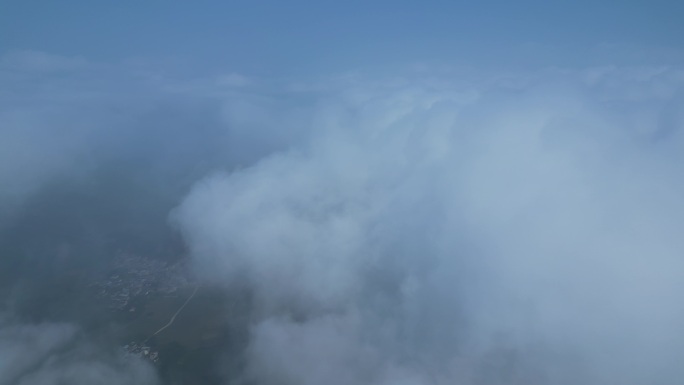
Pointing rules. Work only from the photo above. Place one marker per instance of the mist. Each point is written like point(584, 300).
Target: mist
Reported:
point(93, 158)
point(57, 353)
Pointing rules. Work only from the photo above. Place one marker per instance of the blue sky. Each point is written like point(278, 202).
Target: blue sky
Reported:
point(305, 36)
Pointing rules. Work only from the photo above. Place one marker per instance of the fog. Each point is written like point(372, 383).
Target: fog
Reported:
point(429, 226)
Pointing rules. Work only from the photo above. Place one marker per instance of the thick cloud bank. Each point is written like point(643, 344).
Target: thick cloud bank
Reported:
point(511, 229)
point(52, 354)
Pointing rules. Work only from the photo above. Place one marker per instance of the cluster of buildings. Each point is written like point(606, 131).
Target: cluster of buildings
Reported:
point(132, 278)
point(142, 350)
point(134, 275)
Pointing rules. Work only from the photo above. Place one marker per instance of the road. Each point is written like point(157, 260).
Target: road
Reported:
point(173, 318)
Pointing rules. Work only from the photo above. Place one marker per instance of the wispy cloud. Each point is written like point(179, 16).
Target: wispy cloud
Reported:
point(51, 353)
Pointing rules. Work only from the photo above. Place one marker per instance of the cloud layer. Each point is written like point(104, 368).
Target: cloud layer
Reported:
point(440, 229)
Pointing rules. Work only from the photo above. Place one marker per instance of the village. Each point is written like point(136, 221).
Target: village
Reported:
point(142, 350)
point(133, 279)
point(135, 276)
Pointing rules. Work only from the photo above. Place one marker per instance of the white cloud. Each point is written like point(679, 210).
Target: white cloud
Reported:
point(544, 208)
point(459, 227)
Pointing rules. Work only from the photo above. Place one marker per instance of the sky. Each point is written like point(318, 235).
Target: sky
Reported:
point(297, 37)
point(411, 193)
